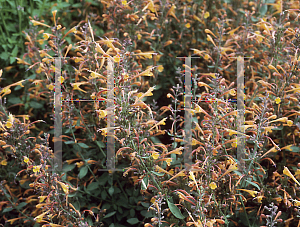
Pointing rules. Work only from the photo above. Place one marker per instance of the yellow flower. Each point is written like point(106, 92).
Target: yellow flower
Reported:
point(188, 25)
point(160, 68)
point(76, 86)
point(38, 70)
point(192, 176)
point(46, 36)
point(6, 91)
point(139, 36)
point(42, 198)
point(41, 41)
point(124, 2)
point(234, 144)
point(296, 203)
point(278, 100)
point(78, 59)
point(259, 198)
point(39, 218)
point(288, 173)
point(155, 155)
point(64, 187)
point(102, 113)
point(35, 23)
point(152, 200)
point(3, 162)
point(8, 124)
point(232, 92)
point(206, 57)
point(117, 58)
point(168, 161)
point(79, 164)
point(213, 185)
point(20, 83)
point(61, 79)
point(50, 87)
point(26, 159)
point(36, 169)
point(206, 15)
point(104, 131)
point(289, 122)
point(251, 192)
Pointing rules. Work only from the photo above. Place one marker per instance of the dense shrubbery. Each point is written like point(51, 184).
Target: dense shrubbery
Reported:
point(138, 50)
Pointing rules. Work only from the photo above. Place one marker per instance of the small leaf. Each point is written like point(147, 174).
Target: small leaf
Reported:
point(254, 184)
point(111, 190)
point(83, 171)
point(35, 105)
point(295, 149)
point(175, 210)
point(92, 186)
point(133, 221)
point(263, 9)
point(158, 174)
point(145, 182)
point(83, 145)
point(110, 214)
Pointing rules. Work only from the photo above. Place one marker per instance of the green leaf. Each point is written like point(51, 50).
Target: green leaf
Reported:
point(69, 142)
point(158, 174)
point(175, 210)
point(83, 145)
point(83, 171)
point(133, 221)
point(7, 209)
point(15, 100)
point(92, 186)
point(111, 190)
point(67, 168)
point(295, 149)
point(103, 194)
point(35, 105)
point(145, 182)
point(254, 184)
point(21, 205)
point(278, 128)
point(110, 214)
point(263, 9)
